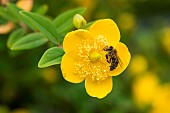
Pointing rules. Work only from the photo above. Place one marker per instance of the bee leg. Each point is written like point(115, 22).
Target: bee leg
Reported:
point(107, 58)
point(105, 48)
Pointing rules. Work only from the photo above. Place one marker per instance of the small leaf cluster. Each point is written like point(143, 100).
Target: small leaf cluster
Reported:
point(34, 29)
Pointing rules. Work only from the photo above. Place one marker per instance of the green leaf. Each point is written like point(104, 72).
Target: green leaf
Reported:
point(42, 9)
point(51, 57)
point(64, 22)
point(29, 41)
point(89, 24)
point(14, 36)
point(6, 14)
point(42, 24)
point(14, 10)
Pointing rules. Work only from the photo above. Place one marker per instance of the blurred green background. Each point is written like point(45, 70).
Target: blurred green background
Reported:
point(144, 87)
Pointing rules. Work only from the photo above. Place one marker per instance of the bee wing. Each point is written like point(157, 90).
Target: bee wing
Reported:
point(120, 62)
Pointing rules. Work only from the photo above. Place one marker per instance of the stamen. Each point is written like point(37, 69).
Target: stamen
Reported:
point(85, 67)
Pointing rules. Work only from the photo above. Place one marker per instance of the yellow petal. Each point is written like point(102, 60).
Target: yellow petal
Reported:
point(98, 89)
point(74, 38)
point(124, 56)
point(108, 29)
point(67, 67)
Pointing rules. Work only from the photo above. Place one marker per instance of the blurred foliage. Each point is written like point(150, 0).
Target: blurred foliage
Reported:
point(142, 88)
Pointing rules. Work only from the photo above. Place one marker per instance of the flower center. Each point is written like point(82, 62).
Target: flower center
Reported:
point(91, 59)
point(94, 56)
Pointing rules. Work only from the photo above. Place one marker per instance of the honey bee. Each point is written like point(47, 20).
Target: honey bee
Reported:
point(112, 57)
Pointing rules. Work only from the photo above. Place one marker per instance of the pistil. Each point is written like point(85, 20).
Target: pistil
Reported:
point(94, 56)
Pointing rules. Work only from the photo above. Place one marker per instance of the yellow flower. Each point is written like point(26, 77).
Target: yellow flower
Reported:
point(85, 57)
point(138, 65)
point(161, 99)
point(127, 21)
point(144, 88)
point(165, 39)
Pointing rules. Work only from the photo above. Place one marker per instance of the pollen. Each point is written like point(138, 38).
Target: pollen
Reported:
point(92, 62)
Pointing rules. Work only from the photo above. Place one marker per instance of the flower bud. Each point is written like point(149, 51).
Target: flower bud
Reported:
point(79, 21)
